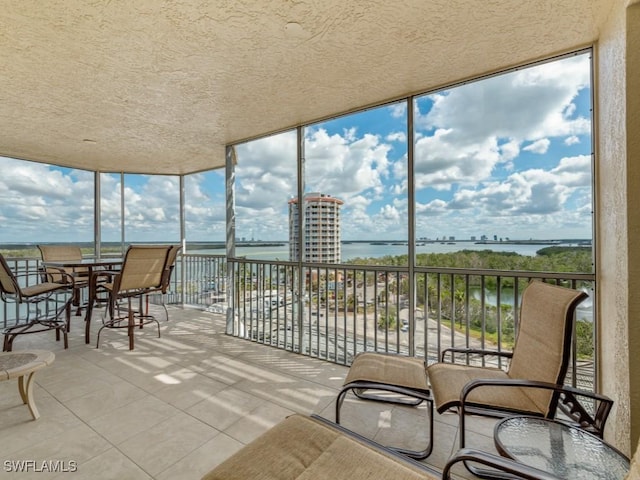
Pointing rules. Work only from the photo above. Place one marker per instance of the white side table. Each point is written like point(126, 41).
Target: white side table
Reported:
point(23, 364)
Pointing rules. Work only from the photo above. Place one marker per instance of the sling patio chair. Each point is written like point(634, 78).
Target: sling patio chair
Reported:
point(539, 359)
point(166, 276)
point(60, 253)
point(312, 447)
point(39, 306)
point(168, 272)
point(142, 272)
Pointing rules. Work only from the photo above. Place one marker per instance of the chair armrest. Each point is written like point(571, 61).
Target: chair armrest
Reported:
point(46, 274)
point(473, 351)
point(503, 464)
point(105, 273)
point(99, 277)
point(567, 401)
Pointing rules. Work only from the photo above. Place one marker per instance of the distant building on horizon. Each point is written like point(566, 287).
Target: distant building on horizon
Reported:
point(321, 228)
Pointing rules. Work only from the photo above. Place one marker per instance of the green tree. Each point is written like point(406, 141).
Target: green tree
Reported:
point(387, 320)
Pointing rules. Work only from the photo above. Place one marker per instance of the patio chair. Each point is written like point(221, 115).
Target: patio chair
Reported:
point(313, 447)
point(39, 307)
point(540, 359)
point(166, 276)
point(60, 253)
point(142, 272)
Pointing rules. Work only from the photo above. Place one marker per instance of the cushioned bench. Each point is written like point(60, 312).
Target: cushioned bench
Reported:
point(302, 447)
point(25, 363)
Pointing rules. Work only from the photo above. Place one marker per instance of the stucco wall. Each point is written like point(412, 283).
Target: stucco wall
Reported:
point(612, 229)
point(633, 194)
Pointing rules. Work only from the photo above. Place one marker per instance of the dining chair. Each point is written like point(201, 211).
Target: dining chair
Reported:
point(142, 272)
point(166, 276)
point(61, 253)
point(39, 306)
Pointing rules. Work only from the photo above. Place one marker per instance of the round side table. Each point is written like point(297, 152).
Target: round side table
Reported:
point(21, 364)
point(561, 449)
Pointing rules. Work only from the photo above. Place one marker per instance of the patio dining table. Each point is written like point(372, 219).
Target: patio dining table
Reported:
point(93, 267)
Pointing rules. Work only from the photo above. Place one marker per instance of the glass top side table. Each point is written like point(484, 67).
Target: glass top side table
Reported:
point(563, 450)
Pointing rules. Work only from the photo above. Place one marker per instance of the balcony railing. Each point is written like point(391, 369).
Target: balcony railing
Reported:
point(333, 312)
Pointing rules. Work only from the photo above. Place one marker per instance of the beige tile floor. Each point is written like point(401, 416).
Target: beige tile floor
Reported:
point(176, 406)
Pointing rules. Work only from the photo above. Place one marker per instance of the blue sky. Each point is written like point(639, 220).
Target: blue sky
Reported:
point(508, 156)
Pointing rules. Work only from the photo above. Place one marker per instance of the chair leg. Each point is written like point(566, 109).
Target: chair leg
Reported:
point(130, 326)
point(479, 472)
point(98, 337)
point(65, 337)
point(68, 317)
point(166, 312)
point(77, 301)
point(141, 312)
point(64, 326)
point(8, 342)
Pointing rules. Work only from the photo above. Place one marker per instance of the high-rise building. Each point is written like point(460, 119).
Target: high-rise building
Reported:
point(321, 228)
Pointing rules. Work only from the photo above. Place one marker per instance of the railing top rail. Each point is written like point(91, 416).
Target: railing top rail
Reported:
point(427, 269)
point(509, 273)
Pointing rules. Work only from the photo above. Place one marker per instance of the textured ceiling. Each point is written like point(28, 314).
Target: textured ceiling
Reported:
point(154, 86)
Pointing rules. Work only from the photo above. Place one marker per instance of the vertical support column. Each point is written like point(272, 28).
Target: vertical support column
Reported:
point(633, 197)
point(298, 270)
point(230, 242)
point(411, 202)
point(97, 216)
point(183, 241)
point(122, 234)
point(617, 222)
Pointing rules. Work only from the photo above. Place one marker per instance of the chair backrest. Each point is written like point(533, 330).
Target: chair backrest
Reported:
point(169, 267)
point(543, 345)
point(59, 253)
point(143, 267)
point(8, 283)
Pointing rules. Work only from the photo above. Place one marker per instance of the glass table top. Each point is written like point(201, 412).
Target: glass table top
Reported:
point(558, 448)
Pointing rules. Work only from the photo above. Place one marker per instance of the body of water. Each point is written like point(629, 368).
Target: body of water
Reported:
point(352, 251)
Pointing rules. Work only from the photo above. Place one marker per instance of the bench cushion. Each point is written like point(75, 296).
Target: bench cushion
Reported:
point(301, 447)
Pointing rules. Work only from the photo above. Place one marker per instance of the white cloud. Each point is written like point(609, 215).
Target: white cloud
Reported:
point(524, 204)
point(509, 150)
point(471, 129)
point(398, 110)
point(354, 168)
point(572, 140)
point(388, 212)
point(539, 146)
point(51, 204)
point(442, 161)
point(396, 137)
